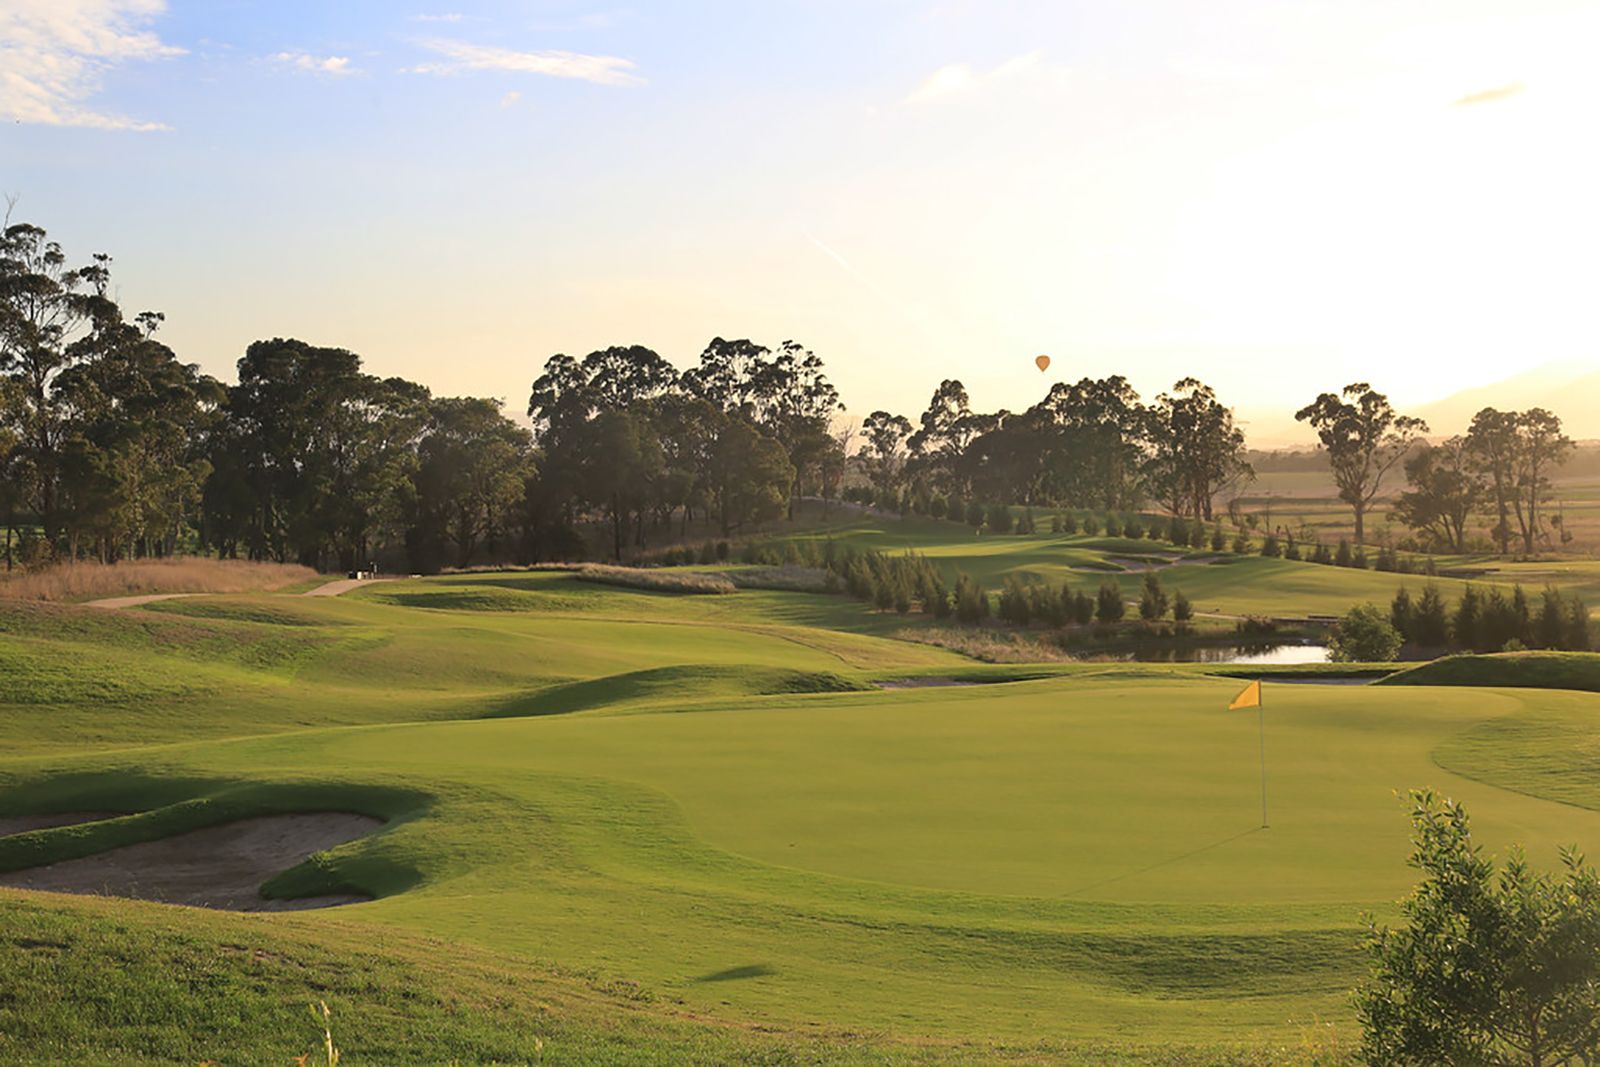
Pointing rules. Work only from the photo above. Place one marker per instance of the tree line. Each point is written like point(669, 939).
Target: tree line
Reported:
point(111, 446)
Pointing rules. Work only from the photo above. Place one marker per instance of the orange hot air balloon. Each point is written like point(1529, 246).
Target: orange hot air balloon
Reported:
point(1044, 363)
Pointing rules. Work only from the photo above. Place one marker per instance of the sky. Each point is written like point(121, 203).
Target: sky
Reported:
point(1277, 197)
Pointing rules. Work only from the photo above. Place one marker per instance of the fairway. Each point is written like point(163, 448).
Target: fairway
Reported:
point(707, 798)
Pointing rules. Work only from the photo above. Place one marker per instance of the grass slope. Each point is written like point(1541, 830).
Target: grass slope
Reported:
point(1069, 867)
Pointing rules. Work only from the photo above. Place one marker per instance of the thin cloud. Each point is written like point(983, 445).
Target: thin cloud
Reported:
point(958, 79)
point(465, 58)
point(1488, 96)
point(55, 54)
point(455, 17)
point(303, 62)
point(510, 98)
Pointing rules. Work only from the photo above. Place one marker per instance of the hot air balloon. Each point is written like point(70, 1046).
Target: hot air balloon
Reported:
point(1043, 362)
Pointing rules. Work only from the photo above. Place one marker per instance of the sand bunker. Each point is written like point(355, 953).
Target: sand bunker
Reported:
point(218, 867)
point(922, 683)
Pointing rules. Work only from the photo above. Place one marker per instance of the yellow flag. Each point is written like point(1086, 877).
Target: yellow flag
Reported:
point(1250, 698)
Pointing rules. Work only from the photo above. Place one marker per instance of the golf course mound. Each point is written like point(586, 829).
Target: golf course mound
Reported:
point(1522, 670)
point(214, 867)
point(666, 684)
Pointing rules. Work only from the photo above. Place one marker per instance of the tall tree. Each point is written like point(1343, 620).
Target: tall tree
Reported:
point(44, 309)
point(1099, 432)
point(326, 450)
point(1364, 438)
point(1444, 492)
point(1198, 449)
point(751, 476)
point(472, 466)
point(1540, 446)
point(884, 454)
point(1491, 445)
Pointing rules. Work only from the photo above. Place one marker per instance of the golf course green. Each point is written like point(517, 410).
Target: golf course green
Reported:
point(628, 826)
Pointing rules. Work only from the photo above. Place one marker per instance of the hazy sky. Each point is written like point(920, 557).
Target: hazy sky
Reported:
point(1277, 197)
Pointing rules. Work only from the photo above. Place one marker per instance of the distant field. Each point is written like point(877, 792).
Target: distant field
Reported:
point(691, 827)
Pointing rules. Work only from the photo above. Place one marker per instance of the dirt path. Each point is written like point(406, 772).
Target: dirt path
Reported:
point(343, 585)
point(218, 867)
point(333, 588)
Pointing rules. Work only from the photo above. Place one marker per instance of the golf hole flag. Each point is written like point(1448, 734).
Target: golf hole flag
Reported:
point(1250, 698)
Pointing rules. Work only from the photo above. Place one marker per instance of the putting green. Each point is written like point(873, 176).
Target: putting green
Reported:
point(1077, 857)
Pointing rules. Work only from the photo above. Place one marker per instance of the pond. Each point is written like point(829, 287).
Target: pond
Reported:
point(1262, 654)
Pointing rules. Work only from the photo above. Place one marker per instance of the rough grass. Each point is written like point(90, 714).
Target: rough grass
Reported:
point(186, 574)
point(190, 986)
point(988, 646)
point(656, 581)
point(1526, 670)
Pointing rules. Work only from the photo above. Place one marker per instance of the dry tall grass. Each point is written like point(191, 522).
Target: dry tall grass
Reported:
point(986, 645)
point(92, 581)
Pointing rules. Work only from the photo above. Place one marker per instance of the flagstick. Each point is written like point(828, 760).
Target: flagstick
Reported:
point(1261, 718)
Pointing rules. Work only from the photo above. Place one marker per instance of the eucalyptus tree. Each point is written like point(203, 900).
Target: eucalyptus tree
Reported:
point(1540, 446)
point(1098, 433)
point(135, 421)
point(945, 431)
point(1491, 447)
point(883, 456)
point(1364, 438)
point(43, 312)
point(472, 469)
point(1513, 453)
point(1445, 491)
point(1197, 448)
point(324, 451)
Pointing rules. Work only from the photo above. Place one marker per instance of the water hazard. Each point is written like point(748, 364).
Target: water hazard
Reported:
point(1259, 654)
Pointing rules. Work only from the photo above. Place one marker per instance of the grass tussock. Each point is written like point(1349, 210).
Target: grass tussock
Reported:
point(93, 581)
point(985, 645)
point(789, 578)
point(655, 581)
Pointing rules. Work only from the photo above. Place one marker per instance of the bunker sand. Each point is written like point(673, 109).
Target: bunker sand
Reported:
point(218, 867)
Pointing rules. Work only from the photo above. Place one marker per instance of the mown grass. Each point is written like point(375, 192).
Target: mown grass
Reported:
point(687, 827)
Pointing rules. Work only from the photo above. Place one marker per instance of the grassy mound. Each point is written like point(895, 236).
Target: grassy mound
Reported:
point(1523, 670)
point(689, 682)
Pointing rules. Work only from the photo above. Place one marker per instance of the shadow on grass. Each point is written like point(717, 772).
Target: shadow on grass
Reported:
point(1167, 862)
point(749, 970)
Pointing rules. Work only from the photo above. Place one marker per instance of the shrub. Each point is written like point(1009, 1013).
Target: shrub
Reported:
point(1113, 526)
point(1241, 544)
point(1270, 546)
point(1219, 540)
point(1153, 601)
point(1091, 526)
point(1364, 635)
point(975, 515)
point(1322, 555)
point(1182, 610)
point(1069, 523)
point(1342, 558)
point(972, 600)
point(1109, 606)
point(1488, 969)
point(1402, 615)
point(1131, 528)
